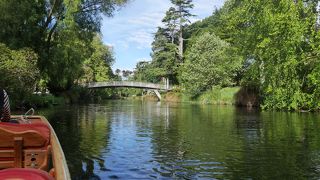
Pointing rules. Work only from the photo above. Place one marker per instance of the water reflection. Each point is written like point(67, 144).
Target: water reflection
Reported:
point(136, 139)
point(83, 134)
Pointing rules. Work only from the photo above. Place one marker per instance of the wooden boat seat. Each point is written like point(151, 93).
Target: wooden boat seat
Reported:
point(34, 135)
point(24, 145)
point(24, 174)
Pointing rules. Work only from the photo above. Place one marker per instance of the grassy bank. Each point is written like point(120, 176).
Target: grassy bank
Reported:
point(215, 96)
point(220, 96)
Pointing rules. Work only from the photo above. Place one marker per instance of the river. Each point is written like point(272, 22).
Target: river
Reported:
point(152, 140)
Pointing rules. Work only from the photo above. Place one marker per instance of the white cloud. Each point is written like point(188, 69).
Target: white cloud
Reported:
point(141, 38)
point(135, 31)
point(147, 19)
point(205, 6)
point(123, 44)
point(132, 28)
point(135, 24)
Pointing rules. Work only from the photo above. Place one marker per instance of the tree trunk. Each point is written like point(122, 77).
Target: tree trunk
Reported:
point(180, 35)
point(181, 44)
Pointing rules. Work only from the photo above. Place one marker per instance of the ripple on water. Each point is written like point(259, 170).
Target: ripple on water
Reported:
point(143, 140)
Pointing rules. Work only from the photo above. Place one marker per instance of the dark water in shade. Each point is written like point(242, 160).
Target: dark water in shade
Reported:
point(150, 140)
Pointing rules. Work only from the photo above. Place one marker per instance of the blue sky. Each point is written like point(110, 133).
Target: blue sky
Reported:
point(130, 31)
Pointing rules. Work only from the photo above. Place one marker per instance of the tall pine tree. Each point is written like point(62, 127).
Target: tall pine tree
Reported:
point(167, 47)
point(182, 14)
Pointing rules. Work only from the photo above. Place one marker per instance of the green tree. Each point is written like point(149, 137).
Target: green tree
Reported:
point(165, 53)
point(97, 68)
point(171, 24)
point(164, 60)
point(126, 74)
point(164, 57)
point(140, 71)
point(18, 72)
point(69, 38)
point(20, 23)
point(59, 31)
point(182, 15)
point(278, 40)
point(210, 62)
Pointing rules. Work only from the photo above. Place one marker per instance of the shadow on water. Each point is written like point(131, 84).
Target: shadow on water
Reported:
point(276, 145)
point(83, 134)
point(143, 140)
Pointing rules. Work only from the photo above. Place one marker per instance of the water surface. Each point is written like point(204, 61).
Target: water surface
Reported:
point(150, 140)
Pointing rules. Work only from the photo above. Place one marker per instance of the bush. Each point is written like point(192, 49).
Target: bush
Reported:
point(210, 61)
point(46, 100)
point(18, 72)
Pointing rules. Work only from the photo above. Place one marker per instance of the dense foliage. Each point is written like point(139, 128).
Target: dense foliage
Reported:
point(209, 62)
point(279, 40)
point(18, 71)
point(98, 66)
point(267, 47)
point(62, 36)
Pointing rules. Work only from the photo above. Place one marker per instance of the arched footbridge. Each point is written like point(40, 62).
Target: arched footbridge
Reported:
point(131, 84)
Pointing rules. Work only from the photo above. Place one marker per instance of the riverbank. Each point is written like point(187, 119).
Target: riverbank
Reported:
point(39, 101)
point(238, 96)
point(223, 96)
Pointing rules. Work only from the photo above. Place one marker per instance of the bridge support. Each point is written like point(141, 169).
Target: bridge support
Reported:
point(158, 94)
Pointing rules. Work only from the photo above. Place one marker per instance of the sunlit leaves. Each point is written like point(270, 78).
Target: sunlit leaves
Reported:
point(209, 63)
point(279, 36)
point(97, 68)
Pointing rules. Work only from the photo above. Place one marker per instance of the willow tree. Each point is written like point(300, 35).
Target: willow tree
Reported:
point(59, 31)
point(279, 40)
point(70, 27)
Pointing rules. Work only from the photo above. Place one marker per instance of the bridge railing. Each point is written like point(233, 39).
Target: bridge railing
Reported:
point(128, 84)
